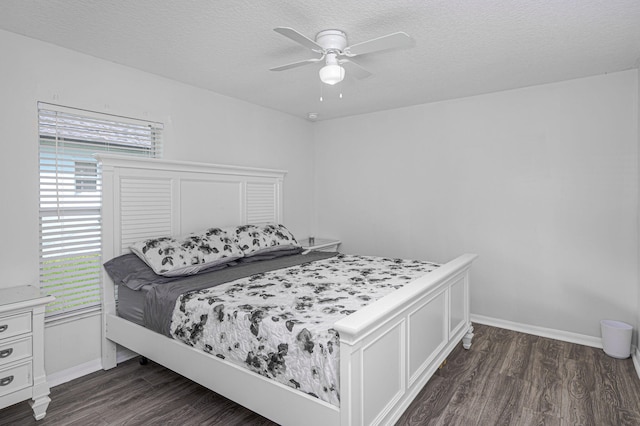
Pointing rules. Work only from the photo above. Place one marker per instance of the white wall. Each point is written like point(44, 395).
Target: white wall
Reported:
point(199, 126)
point(541, 182)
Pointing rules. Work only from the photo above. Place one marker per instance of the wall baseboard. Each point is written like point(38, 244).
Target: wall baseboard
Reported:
point(566, 336)
point(64, 376)
point(81, 370)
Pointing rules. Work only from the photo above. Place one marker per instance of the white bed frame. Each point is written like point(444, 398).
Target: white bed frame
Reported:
point(388, 350)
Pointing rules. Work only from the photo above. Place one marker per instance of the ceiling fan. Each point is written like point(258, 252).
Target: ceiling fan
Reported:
point(337, 55)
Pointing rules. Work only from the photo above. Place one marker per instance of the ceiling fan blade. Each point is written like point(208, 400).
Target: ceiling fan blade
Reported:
point(390, 41)
point(354, 69)
point(299, 38)
point(296, 64)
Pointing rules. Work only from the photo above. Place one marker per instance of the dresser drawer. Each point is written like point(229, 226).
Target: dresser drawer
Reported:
point(14, 350)
point(14, 325)
point(15, 378)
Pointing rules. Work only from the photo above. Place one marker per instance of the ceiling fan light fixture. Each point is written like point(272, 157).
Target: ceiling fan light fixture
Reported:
point(331, 74)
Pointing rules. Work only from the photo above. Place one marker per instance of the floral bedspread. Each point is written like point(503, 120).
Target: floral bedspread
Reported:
point(279, 323)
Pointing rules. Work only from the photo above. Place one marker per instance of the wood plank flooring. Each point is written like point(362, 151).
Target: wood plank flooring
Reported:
point(510, 378)
point(507, 378)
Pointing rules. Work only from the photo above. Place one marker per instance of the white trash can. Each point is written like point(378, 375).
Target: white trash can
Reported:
point(616, 338)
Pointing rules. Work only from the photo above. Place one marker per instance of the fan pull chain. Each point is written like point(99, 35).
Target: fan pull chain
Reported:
point(340, 96)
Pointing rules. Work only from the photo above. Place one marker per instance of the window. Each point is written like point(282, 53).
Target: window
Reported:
point(86, 176)
point(70, 197)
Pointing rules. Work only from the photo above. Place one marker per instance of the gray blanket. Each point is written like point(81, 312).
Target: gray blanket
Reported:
point(161, 299)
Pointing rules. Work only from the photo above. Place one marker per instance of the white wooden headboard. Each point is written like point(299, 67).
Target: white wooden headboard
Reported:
point(147, 198)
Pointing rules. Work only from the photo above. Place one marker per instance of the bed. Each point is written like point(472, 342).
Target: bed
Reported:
point(388, 349)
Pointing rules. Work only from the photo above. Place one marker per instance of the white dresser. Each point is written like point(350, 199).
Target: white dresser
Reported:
point(22, 373)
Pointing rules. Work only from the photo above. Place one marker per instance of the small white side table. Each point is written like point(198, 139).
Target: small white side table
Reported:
point(321, 244)
point(22, 374)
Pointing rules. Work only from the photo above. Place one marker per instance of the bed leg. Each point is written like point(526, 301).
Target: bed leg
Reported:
point(144, 360)
point(109, 359)
point(466, 340)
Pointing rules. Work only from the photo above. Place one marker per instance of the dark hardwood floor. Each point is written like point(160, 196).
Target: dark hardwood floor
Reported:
point(507, 378)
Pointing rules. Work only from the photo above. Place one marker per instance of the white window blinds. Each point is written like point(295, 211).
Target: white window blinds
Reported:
point(70, 197)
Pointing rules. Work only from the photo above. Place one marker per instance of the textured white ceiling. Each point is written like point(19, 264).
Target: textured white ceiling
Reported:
point(462, 48)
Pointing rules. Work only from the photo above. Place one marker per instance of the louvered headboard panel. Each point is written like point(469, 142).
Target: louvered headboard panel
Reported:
point(262, 201)
point(144, 198)
point(145, 209)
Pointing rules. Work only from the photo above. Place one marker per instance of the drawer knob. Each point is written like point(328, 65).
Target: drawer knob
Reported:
point(3, 327)
point(7, 380)
point(5, 353)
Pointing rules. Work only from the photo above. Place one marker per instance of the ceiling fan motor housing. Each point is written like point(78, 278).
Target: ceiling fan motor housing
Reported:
point(332, 40)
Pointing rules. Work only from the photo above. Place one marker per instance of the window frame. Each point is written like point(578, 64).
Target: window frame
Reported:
point(69, 206)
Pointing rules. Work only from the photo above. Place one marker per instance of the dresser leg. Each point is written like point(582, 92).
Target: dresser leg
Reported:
point(39, 406)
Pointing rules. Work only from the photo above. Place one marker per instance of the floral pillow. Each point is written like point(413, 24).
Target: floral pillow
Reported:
point(257, 239)
point(189, 254)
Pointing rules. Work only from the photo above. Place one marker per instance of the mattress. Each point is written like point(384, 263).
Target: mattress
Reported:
point(130, 304)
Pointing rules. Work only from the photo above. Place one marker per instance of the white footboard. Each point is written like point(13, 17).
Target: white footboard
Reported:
point(391, 348)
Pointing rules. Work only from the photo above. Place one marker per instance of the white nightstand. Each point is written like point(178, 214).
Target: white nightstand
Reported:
point(321, 244)
point(22, 373)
